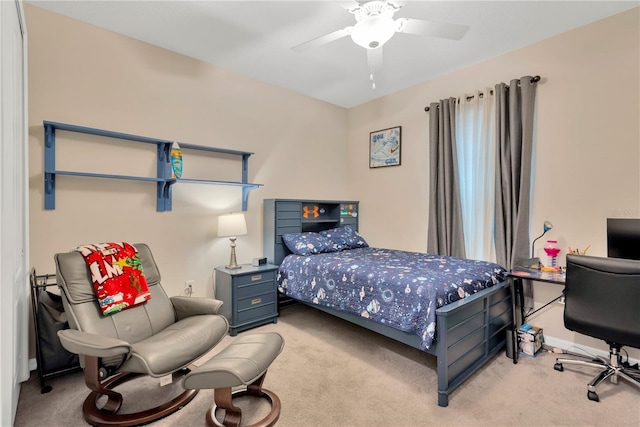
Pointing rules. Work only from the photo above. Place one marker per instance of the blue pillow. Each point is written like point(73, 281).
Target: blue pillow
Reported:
point(344, 238)
point(306, 243)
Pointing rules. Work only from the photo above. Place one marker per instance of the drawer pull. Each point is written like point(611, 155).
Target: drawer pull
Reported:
point(256, 277)
point(256, 301)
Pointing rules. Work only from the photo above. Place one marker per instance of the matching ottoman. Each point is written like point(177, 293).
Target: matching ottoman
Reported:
point(243, 363)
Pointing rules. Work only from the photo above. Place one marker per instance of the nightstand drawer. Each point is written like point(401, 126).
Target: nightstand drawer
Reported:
point(256, 301)
point(256, 307)
point(256, 313)
point(249, 290)
point(256, 277)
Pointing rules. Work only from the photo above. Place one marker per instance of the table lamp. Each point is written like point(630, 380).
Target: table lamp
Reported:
point(534, 262)
point(545, 227)
point(232, 225)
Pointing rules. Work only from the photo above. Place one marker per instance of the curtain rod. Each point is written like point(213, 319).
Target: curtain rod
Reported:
point(533, 80)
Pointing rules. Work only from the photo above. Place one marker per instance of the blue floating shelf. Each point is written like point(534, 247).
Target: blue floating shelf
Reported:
point(164, 179)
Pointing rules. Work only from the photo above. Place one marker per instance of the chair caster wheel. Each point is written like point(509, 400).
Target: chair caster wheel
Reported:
point(558, 367)
point(592, 395)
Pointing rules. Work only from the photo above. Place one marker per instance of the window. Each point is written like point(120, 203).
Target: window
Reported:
point(475, 146)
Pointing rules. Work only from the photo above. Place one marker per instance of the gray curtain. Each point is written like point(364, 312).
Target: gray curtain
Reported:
point(514, 136)
point(445, 235)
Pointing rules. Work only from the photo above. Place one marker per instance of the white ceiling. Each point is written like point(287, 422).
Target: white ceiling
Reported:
point(255, 37)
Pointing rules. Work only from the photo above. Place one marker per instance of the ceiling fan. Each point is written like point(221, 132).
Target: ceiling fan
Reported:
point(375, 26)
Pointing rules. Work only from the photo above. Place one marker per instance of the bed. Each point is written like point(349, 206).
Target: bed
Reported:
point(458, 310)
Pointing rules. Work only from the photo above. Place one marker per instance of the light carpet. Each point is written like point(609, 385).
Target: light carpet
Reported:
point(333, 373)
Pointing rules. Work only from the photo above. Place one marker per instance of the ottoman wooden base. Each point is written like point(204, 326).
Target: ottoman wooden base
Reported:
point(233, 416)
point(243, 362)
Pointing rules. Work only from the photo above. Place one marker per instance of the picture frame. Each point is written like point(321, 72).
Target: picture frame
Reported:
point(384, 147)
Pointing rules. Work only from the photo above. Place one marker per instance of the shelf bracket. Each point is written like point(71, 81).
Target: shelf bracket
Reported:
point(164, 203)
point(164, 173)
point(49, 167)
point(245, 195)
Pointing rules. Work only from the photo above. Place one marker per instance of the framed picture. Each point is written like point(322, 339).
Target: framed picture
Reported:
point(384, 147)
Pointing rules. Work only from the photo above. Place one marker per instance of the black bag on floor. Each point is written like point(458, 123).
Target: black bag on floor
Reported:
point(51, 318)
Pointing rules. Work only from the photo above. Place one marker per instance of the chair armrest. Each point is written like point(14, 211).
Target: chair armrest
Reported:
point(193, 306)
point(87, 344)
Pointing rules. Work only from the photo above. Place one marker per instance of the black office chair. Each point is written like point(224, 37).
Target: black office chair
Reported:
point(602, 300)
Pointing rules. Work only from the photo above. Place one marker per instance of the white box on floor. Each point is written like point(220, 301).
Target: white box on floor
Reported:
point(530, 339)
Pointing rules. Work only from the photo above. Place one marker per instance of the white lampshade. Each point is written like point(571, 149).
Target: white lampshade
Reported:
point(373, 32)
point(231, 225)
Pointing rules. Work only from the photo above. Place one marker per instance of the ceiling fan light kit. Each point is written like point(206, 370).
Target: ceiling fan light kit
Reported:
point(374, 24)
point(373, 32)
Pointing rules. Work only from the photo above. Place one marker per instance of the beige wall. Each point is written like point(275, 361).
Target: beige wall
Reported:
point(586, 168)
point(587, 144)
point(84, 75)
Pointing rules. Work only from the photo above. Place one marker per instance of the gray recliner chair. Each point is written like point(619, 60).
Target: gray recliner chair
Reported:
point(161, 337)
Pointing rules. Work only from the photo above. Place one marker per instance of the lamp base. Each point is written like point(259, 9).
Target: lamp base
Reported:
point(233, 264)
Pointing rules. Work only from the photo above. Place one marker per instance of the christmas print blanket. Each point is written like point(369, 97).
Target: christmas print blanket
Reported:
point(117, 276)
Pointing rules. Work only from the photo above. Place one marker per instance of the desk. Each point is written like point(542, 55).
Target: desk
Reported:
point(516, 275)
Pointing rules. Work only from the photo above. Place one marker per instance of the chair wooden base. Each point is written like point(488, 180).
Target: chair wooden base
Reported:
point(223, 399)
point(107, 415)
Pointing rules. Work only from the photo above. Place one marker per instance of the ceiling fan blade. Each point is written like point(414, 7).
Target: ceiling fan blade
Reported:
point(431, 28)
point(396, 4)
point(319, 41)
point(350, 6)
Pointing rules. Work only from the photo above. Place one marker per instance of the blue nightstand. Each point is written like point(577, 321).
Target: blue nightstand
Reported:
point(249, 294)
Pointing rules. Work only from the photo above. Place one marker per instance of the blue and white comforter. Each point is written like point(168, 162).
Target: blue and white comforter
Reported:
point(396, 288)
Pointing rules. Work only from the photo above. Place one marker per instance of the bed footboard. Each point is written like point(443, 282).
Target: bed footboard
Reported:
point(469, 332)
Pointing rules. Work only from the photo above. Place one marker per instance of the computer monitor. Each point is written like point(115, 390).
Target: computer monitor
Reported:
point(623, 238)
